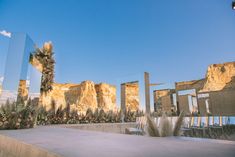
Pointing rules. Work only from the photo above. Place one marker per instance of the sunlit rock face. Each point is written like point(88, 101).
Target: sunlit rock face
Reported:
point(220, 77)
point(132, 97)
point(58, 95)
point(87, 97)
point(81, 96)
point(106, 96)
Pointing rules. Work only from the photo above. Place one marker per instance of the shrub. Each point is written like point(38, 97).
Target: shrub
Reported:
point(18, 115)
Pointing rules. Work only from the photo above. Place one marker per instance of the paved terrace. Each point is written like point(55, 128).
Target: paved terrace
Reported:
point(67, 142)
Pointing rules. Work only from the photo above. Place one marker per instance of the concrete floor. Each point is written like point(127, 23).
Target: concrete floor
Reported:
point(79, 143)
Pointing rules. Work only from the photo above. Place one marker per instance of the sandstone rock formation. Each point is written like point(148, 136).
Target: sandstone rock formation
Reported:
point(81, 96)
point(87, 97)
point(132, 97)
point(57, 95)
point(220, 77)
point(106, 96)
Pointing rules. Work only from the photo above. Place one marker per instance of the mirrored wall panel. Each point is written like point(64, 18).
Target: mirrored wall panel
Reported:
point(19, 78)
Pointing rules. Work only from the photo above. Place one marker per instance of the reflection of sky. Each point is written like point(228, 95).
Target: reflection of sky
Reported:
point(203, 121)
point(195, 122)
point(190, 103)
point(28, 48)
point(184, 92)
point(17, 64)
point(1, 80)
point(35, 79)
point(216, 120)
point(231, 120)
point(4, 43)
point(210, 121)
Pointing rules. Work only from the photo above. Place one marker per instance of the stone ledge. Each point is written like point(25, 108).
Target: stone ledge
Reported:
point(102, 127)
point(10, 147)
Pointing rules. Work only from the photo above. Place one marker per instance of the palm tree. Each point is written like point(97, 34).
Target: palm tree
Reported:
point(45, 56)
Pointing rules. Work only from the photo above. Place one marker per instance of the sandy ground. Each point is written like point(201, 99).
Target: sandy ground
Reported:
point(79, 143)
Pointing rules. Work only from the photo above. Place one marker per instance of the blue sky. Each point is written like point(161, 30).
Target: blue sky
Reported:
point(102, 40)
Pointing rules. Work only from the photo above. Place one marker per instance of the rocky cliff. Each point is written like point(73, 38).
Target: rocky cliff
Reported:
point(87, 97)
point(81, 96)
point(58, 96)
point(106, 96)
point(132, 97)
point(220, 77)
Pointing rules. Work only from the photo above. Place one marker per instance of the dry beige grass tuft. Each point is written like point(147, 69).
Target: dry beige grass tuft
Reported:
point(165, 126)
point(178, 124)
point(152, 127)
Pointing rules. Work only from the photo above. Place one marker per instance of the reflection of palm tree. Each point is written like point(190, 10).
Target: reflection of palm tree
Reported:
point(46, 57)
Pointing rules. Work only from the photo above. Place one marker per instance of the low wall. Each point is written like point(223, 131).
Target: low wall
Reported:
point(103, 127)
point(10, 147)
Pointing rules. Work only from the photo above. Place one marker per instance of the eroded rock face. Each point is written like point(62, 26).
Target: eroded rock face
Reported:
point(87, 97)
point(58, 95)
point(106, 96)
point(220, 77)
point(132, 97)
point(81, 96)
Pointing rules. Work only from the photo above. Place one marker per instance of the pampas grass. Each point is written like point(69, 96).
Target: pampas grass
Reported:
point(165, 126)
point(152, 127)
point(178, 124)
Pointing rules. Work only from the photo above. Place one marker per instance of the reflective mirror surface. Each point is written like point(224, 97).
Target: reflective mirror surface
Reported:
point(21, 79)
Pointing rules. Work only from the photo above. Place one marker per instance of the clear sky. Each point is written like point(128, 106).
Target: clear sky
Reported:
point(101, 40)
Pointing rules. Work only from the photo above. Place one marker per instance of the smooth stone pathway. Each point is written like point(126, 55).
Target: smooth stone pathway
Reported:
point(79, 143)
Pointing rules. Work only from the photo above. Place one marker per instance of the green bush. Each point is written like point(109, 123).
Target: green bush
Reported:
point(65, 116)
point(18, 115)
point(22, 115)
